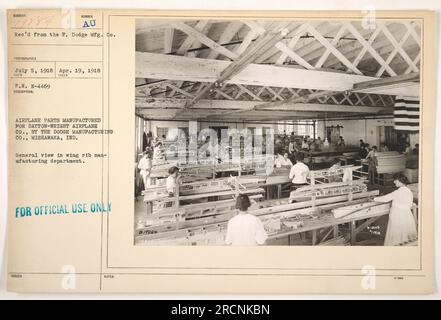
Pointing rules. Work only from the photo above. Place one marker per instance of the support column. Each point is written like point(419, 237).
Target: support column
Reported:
point(193, 141)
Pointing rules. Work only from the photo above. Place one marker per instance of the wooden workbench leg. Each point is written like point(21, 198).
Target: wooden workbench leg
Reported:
point(353, 233)
point(149, 206)
point(335, 231)
point(314, 237)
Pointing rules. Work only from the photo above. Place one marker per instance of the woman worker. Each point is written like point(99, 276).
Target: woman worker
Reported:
point(172, 183)
point(282, 161)
point(245, 229)
point(401, 227)
point(145, 167)
point(299, 173)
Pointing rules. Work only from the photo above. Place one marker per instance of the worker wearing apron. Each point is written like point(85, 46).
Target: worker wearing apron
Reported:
point(401, 227)
point(145, 167)
point(299, 173)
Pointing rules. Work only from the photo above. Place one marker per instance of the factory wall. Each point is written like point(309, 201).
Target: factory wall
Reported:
point(370, 130)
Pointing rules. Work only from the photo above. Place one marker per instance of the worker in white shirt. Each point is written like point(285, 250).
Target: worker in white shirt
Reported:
point(172, 182)
point(245, 229)
point(283, 161)
point(145, 167)
point(299, 173)
point(305, 144)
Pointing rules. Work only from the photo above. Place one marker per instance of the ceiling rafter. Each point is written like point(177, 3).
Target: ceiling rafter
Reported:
point(228, 34)
point(397, 46)
point(205, 40)
point(266, 40)
point(345, 47)
point(370, 49)
point(333, 50)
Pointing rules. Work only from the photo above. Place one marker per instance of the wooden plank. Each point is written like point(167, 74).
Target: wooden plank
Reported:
point(369, 48)
point(228, 34)
point(292, 43)
point(393, 54)
point(283, 47)
point(275, 94)
point(290, 53)
point(188, 42)
point(333, 50)
point(249, 92)
point(304, 98)
point(218, 226)
point(386, 82)
point(379, 43)
point(210, 105)
point(159, 66)
point(205, 40)
point(264, 41)
point(415, 61)
point(249, 38)
point(301, 50)
point(365, 48)
point(334, 43)
point(353, 234)
point(168, 40)
point(397, 46)
point(185, 93)
point(219, 213)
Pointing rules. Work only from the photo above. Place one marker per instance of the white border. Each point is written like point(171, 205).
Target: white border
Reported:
point(207, 5)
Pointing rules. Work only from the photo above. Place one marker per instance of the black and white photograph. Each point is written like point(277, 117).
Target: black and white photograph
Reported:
point(286, 132)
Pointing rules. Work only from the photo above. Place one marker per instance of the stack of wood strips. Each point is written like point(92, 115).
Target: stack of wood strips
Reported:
point(390, 162)
point(325, 173)
point(361, 209)
point(187, 225)
point(205, 170)
point(328, 190)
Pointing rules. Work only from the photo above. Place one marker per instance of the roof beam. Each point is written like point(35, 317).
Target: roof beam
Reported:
point(266, 40)
point(168, 40)
point(333, 50)
point(202, 38)
point(188, 42)
point(159, 66)
point(304, 98)
point(407, 84)
point(249, 38)
point(369, 48)
point(379, 43)
point(292, 43)
point(246, 106)
point(228, 34)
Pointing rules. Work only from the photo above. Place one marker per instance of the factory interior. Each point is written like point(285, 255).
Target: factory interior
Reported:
point(316, 122)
